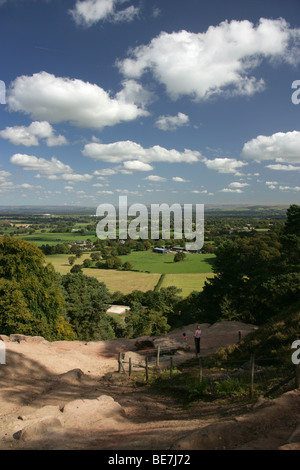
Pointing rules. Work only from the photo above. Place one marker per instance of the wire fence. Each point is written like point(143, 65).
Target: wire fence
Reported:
point(203, 376)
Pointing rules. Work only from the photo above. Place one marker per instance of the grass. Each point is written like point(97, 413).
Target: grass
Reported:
point(157, 263)
point(187, 282)
point(123, 281)
point(48, 238)
point(176, 274)
point(61, 263)
point(271, 341)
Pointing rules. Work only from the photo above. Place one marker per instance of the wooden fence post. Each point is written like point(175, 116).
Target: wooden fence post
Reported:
point(146, 369)
point(200, 370)
point(157, 356)
point(252, 362)
point(171, 367)
point(119, 363)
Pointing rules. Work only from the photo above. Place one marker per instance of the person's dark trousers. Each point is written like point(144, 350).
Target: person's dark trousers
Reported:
point(197, 345)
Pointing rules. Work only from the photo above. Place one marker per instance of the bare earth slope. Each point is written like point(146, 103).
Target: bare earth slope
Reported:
point(68, 395)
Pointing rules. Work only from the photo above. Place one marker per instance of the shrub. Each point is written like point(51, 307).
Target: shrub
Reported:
point(229, 386)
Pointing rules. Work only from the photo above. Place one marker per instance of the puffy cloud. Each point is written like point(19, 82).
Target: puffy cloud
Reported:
point(214, 62)
point(29, 136)
point(76, 178)
point(178, 179)
point(280, 167)
point(43, 166)
point(52, 169)
point(136, 165)
point(230, 190)
point(271, 184)
point(224, 165)
point(133, 92)
point(127, 150)
point(105, 192)
point(105, 172)
point(128, 192)
point(289, 188)
point(281, 147)
point(89, 12)
point(237, 185)
point(167, 123)
point(126, 15)
point(5, 185)
point(57, 99)
point(156, 179)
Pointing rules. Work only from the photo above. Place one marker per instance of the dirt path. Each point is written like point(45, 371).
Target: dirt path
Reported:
point(68, 395)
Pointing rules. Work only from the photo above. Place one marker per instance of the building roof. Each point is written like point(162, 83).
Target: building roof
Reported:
point(118, 309)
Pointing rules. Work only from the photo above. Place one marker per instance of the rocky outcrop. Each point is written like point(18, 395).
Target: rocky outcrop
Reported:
point(81, 415)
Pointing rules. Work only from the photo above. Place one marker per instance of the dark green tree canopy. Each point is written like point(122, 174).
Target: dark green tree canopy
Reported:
point(292, 225)
point(41, 302)
point(86, 301)
point(256, 276)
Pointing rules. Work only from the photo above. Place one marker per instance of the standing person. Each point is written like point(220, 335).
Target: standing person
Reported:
point(197, 336)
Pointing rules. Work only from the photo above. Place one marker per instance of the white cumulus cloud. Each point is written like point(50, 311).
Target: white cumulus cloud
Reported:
point(237, 185)
point(121, 151)
point(230, 190)
point(89, 12)
point(30, 136)
point(289, 188)
point(156, 178)
point(280, 167)
point(217, 61)
point(136, 165)
point(5, 184)
point(57, 99)
point(52, 169)
point(178, 179)
point(282, 147)
point(224, 165)
point(166, 123)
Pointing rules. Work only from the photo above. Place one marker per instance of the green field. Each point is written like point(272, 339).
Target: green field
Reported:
point(157, 263)
point(186, 282)
point(188, 275)
point(48, 238)
point(61, 263)
point(123, 281)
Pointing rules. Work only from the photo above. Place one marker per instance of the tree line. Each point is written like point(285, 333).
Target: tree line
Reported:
point(256, 277)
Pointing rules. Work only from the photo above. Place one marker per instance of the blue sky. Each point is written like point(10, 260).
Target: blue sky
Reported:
point(166, 101)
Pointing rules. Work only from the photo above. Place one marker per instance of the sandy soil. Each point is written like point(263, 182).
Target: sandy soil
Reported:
point(69, 395)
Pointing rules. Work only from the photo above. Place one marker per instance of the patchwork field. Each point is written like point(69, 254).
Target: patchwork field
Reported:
point(49, 238)
point(188, 275)
point(123, 281)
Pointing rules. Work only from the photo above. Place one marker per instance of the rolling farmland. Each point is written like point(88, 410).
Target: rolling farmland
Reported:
point(188, 275)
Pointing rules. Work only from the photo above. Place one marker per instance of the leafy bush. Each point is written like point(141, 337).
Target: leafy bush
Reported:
point(198, 390)
point(229, 386)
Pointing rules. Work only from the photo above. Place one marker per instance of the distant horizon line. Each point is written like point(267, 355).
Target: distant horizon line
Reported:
point(208, 204)
point(93, 208)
